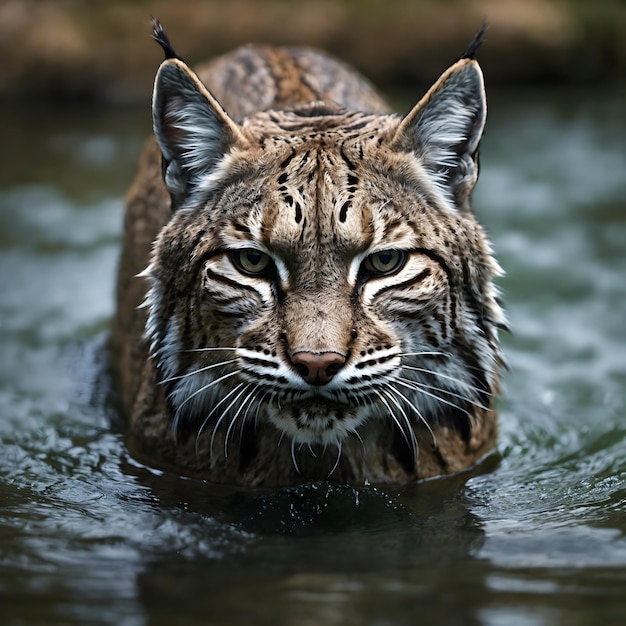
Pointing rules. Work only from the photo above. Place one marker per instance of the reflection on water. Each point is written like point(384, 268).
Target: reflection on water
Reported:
point(534, 536)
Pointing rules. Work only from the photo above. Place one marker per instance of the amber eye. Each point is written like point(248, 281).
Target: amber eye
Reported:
point(250, 261)
point(384, 262)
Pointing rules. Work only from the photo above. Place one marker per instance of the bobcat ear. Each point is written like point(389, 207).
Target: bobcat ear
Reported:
point(444, 129)
point(192, 129)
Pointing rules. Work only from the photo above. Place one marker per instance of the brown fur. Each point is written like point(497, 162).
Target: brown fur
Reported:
point(315, 184)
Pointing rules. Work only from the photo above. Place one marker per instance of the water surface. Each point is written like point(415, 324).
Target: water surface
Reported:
point(534, 536)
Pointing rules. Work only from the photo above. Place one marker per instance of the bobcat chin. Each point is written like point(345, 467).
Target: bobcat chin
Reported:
point(304, 291)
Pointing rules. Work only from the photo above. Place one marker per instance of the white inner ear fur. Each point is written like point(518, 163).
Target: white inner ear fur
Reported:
point(444, 129)
point(194, 136)
point(192, 130)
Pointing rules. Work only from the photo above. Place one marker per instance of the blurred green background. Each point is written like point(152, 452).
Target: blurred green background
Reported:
point(99, 49)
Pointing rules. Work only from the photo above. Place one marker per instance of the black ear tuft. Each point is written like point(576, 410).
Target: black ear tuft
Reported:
point(479, 37)
point(160, 36)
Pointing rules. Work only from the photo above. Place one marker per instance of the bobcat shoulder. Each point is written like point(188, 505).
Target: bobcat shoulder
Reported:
point(304, 291)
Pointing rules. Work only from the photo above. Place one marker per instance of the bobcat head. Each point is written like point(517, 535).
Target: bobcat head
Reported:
point(322, 268)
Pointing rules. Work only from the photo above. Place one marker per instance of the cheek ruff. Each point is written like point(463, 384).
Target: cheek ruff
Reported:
point(319, 299)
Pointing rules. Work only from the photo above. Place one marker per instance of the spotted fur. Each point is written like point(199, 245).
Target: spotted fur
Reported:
point(366, 347)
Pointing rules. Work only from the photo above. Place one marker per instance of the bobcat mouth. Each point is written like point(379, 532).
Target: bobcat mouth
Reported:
point(316, 419)
point(318, 403)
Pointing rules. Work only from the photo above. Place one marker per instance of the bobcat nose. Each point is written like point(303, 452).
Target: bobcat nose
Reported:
point(317, 368)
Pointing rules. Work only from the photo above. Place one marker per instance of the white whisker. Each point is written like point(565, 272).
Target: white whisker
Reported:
point(393, 417)
point(358, 436)
point(280, 439)
point(339, 449)
point(414, 387)
point(458, 381)
point(234, 418)
point(445, 354)
point(413, 442)
point(258, 408)
point(417, 412)
point(205, 349)
point(204, 388)
point(293, 456)
point(224, 412)
point(198, 371)
point(254, 396)
point(450, 393)
point(206, 419)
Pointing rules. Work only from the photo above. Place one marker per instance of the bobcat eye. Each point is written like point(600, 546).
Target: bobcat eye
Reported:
point(250, 261)
point(384, 262)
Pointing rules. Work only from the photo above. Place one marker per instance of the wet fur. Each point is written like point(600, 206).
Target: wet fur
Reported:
point(294, 154)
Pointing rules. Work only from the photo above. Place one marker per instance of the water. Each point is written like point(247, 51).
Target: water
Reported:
point(536, 536)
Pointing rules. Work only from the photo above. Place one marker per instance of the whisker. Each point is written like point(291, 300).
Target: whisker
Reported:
point(446, 354)
point(258, 408)
point(206, 419)
point(293, 456)
point(358, 436)
point(425, 353)
point(202, 369)
point(419, 414)
point(204, 350)
point(413, 442)
point(225, 413)
point(201, 390)
point(393, 417)
point(450, 393)
point(339, 449)
point(414, 387)
point(280, 439)
point(234, 419)
point(458, 381)
point(255, 394)
point(324, 448)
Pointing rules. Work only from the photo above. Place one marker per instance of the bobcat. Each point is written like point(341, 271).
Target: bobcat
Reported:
point(317, 298)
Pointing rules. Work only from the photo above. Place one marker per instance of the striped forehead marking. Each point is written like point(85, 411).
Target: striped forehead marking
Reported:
point(315, 161)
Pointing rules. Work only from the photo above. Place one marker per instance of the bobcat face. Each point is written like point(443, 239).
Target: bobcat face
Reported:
point(322, 267)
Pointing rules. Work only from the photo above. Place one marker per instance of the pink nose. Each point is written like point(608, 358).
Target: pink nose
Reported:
point(317, 368)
